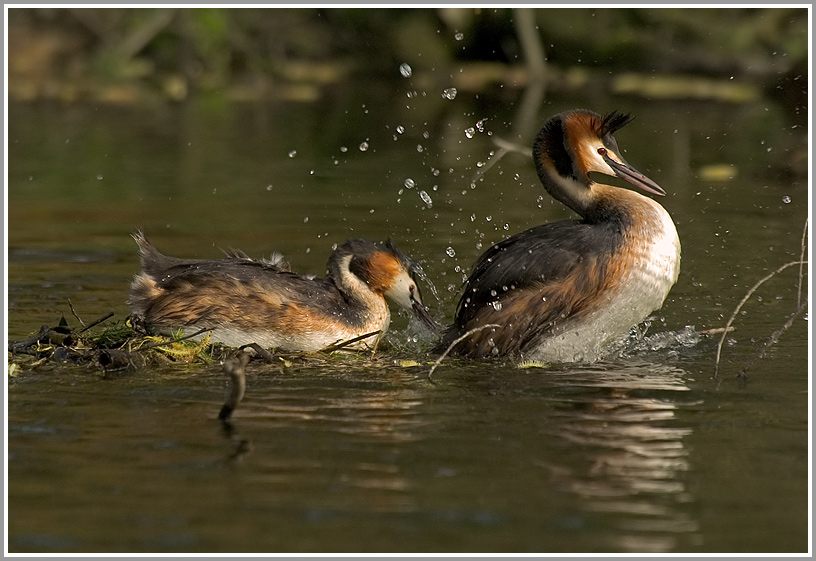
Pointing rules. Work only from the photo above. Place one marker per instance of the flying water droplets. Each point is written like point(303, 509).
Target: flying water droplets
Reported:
point(450, 251)
point(409, 183)
point(405, 70)
point(426, 198)
point(364, 146)
point(449, 93)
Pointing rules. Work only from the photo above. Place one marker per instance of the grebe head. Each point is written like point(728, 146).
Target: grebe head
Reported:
point(384, 269)
point(575, 143)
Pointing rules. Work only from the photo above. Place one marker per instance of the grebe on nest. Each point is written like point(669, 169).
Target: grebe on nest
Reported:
point(561, 291)
point(242, 301)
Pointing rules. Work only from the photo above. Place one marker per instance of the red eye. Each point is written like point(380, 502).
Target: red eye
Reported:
point(602, 151)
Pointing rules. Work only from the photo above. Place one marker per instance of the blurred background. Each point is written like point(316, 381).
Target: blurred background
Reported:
point(136, 55)
point(293, 129)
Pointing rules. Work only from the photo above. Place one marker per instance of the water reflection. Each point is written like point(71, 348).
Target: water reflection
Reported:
point(635, 456)
point(330, 446)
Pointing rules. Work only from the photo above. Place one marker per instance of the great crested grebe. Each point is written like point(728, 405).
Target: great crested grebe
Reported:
point(243, 301)
point(561, 291)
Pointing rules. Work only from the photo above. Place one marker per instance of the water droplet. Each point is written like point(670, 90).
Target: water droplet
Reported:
point(488, 218)
point(363, 146)
point(459, 36)
point(99, 177)
point(449, 93)
point(409, 183)
point(343, 149)
point(426, 198)
point(420, 148)
point(269, 187)
point(305, 219)
point(496, 305)
point(493, 293)
point(405, 70)
point(480, 124)
point(450, 251)
point(400, 129)
point(470, 132)
point(786, 199)
point(293, 153)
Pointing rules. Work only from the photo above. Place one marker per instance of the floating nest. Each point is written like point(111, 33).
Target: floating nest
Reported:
point(125, 345)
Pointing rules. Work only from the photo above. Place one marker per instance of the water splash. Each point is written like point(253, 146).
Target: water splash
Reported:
point(426, 198)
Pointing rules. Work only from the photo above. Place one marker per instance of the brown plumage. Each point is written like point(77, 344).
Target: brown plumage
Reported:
point(562, 291)
point(243, 301)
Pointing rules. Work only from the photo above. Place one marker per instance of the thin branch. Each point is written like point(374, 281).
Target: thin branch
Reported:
point(802, 262)
point(79, 319)
point(739, 307)
point(344, 344)
point(773, 338)
point(94, 323)
point(456, 342)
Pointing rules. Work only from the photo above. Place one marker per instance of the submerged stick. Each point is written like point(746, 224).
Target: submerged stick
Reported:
point(456, 342)
point(235, 369)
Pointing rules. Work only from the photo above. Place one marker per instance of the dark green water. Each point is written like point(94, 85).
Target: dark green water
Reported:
point(645, 452)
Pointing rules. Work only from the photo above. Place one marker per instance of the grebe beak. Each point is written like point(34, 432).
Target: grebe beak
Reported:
point(421, 313)
point(633, 176)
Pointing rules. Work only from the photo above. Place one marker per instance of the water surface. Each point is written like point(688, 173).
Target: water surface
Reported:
point(645, 452)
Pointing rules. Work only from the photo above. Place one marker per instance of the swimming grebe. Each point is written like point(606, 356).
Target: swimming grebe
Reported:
point(561, 291)
point(243, 301)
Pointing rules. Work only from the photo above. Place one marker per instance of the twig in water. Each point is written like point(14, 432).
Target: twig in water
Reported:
point(739, 307)
point(801, 263)
point(79, 319)
point(235, 368)
point(773, 339)
point(456, 342)
point(97, 322)
point(344, 344)
point(263, 353)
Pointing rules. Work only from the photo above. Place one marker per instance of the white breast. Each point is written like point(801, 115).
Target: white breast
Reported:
point(655, 265)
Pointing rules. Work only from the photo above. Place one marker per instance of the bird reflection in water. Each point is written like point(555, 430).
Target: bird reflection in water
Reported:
point(635, 458)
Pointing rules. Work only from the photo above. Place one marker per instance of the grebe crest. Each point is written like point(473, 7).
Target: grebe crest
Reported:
point(243, 301)
point(562, 291)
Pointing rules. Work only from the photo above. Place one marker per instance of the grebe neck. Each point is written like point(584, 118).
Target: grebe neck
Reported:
point(557, 168)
